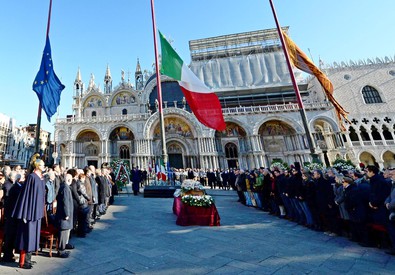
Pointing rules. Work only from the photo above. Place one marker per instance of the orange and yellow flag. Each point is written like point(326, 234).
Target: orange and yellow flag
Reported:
point(301, 61)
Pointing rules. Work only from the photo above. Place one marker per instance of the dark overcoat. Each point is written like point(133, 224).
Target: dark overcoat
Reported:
point(65, 207)
point(136, 179)
point(29, 210)
point(356, 201)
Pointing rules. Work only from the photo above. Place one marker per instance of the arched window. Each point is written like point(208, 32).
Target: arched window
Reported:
point(386, 133)
point(124, 152)
point(318, 133)
point(353, 134)
point(375, 133)
point(231, 151)
point(371, 95)
point(124, 112)
point(94, 114)
point(364, 134)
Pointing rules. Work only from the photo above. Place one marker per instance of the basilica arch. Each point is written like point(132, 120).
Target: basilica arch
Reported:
point(93, 104)
point(121, 143)
point(87, 148)
point(122, 98)
point(367, 158)
point(388, 158)
point(181, 141)
point(176, 150)
point(280, 141)
point(232, 146)
point(327, 139)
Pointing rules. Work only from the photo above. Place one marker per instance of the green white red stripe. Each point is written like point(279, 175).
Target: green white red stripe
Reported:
point(203, 102)
point(161, 171)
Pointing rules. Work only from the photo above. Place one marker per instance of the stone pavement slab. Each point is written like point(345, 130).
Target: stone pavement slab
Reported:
point(139, 236)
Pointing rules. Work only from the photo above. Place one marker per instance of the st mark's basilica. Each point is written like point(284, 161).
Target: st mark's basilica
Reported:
point(248, 72)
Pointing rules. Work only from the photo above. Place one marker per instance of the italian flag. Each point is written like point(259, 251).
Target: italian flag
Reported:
point(203, 102)
point(161, 171)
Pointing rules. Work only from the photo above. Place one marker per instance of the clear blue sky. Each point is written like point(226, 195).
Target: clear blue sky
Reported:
point(93, 33)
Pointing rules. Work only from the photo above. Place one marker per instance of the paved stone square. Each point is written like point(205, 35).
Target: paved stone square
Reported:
point(139, 236)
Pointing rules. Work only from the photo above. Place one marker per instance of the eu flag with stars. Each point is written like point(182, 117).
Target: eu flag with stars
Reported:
point(47, 85)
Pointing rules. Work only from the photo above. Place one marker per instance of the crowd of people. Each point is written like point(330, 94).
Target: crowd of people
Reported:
point(357, 204)
point(69, 200)
point(213, 178)
point(352, 203)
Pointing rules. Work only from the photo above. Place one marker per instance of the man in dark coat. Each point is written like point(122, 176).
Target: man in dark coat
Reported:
point(211, 178)
point(280, 198)
point(241, 185)
point(325, 201)
point(58, 178)
point(64, 215)
point(379, 191)
point(356, 201)
point(232, 179)
point(225, 179)
point(135, 177)
point(190, 174)
point(29, 210)
point(8, 183)
point(101, 189)
point(74, 186)
point(95, 194)
point(11, 224)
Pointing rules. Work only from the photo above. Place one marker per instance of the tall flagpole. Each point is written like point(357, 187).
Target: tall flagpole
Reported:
point(159, 87)
point(295, 86)
point(38, 128)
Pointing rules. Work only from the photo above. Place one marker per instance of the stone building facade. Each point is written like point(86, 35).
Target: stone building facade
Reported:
point(366, 89)
point(263, 124)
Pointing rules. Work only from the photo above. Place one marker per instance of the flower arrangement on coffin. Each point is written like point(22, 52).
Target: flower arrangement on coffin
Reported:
point(199, 201)
point(190, 187)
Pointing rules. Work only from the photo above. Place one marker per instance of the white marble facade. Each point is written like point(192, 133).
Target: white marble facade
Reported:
point(123, 122)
